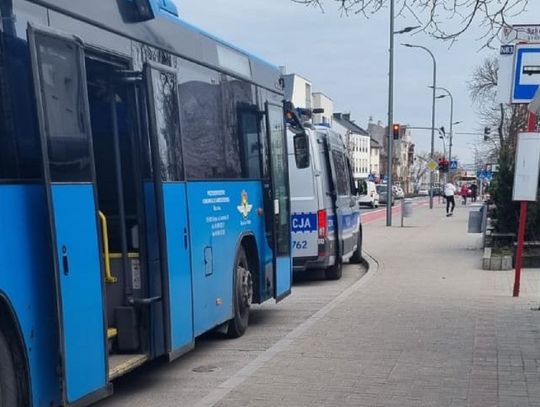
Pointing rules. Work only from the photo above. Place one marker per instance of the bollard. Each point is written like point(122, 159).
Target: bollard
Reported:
point(406, 209)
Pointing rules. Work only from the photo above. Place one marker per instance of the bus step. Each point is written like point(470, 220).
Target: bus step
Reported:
point(119, 365)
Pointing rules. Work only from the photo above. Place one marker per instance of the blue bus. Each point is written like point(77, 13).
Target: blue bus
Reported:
point(143, 192)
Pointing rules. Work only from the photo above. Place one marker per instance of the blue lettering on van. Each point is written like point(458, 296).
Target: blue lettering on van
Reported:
point(304, 222)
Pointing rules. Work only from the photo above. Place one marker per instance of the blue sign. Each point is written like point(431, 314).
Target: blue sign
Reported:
point(304, 222)
point(484, 175)
point(527, 73)
point(453, 165)
point(371, 177)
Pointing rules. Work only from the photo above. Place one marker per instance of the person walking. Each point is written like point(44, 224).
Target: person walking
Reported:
point(474, 192)
point(464, 192)
point(449, 192)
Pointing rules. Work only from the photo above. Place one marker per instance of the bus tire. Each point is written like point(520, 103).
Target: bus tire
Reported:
point(242, 296)
point(9, 389)
point(334, 272)
point(357, 255)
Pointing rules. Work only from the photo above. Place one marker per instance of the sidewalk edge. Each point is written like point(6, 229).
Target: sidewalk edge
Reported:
point(222, 390)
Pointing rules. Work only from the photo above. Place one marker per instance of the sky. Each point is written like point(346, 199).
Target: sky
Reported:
point(346, 58)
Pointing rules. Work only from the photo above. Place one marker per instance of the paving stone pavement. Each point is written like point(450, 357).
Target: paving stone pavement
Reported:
point(428, 328)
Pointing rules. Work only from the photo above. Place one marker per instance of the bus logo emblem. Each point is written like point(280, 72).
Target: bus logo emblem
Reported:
point(245, 207)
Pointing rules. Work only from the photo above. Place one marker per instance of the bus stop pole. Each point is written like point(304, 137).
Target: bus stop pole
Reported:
point(522, 226)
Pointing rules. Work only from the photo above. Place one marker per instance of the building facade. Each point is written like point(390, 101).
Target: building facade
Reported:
point(322, 101)
point(358, 144)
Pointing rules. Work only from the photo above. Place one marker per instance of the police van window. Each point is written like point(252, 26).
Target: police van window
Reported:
point(342, 177)
point(62, 87)
point(20, 148)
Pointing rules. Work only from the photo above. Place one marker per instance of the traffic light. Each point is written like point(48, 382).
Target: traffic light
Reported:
point(444, 165)
point(395, 131)
point(487, 131)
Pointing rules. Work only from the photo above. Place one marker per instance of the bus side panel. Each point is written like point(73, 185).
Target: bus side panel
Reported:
point(27, 280)
point(180, 297)
point(219, 213)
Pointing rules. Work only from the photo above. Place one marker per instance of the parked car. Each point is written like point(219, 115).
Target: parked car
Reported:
point(382, 191)
point(398, 192)
point(368, 195)
point(423, 192)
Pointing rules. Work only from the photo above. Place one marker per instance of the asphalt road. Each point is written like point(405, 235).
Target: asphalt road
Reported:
point(216, 358)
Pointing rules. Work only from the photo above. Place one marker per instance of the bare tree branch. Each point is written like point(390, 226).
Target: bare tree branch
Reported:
point(435, 16)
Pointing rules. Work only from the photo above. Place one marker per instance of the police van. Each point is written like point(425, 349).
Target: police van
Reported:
point(326, 226)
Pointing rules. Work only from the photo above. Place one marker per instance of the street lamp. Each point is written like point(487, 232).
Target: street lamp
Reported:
point(391, 110)
point(432, 116)
point(451, 118)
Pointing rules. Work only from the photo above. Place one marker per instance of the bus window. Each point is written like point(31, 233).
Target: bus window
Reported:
point(20, 151)
point(67, 136)
point(279, 176)
point(249, 134)
point(165, 106)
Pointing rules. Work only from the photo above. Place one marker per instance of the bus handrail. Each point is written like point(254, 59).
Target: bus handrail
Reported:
point(109, 278)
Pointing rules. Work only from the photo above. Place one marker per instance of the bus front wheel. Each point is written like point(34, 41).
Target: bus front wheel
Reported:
point(243, 296)
point(8, 377)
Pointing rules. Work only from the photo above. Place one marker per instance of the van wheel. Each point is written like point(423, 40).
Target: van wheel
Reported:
point(357, 256)
point(8, 377)
point(243, 296)
point(334, 272)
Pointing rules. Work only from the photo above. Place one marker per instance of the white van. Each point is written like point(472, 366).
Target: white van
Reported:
point(325, 223)
point(368, 194)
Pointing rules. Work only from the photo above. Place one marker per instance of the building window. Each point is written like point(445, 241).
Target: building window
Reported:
point(308, 96)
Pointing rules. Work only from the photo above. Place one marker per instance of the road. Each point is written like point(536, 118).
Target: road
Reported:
point(216, 359)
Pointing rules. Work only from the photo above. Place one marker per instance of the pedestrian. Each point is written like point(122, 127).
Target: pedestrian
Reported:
point(474, 192)
point(449, 192)
point(464, 192)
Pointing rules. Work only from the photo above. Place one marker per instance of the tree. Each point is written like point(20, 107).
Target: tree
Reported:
point(510, 120)
point(443, 19)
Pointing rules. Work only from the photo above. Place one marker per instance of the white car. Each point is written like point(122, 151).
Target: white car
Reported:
point(398, 192)
point(423, 192)
point(369, 195)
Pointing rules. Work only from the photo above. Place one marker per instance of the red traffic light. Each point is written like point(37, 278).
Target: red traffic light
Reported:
point(395, 131)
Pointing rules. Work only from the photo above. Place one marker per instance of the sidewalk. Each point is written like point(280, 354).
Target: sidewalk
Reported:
point(427, 327)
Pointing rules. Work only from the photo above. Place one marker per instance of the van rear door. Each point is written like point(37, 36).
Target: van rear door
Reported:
point(304, 205)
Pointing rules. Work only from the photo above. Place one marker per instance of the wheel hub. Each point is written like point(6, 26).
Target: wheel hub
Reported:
point(246, 287)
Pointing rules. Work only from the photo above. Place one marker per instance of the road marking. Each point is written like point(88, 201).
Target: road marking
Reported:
point(247, 371)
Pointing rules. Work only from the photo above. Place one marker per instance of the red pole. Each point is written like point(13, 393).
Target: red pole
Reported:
point(522, 225)
point(519, 251)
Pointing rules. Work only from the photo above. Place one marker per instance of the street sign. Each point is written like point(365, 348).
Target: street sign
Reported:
point(484, 175)
point(432, 165)
point(520, 32)
point(526, 73)
point(371, 177)
point(453, 165)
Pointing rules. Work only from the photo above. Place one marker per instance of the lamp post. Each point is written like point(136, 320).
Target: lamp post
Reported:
point(389, 161)
point(451, 120)
point(432, 116)
point(390, 119)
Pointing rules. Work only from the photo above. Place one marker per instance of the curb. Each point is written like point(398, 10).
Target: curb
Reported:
point(222, 390)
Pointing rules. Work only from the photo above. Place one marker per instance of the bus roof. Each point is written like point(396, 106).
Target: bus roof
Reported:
point(168, 32)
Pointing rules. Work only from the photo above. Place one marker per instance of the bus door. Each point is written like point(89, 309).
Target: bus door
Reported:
point(171, 207)
point(281, 204)
point(62, 105)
